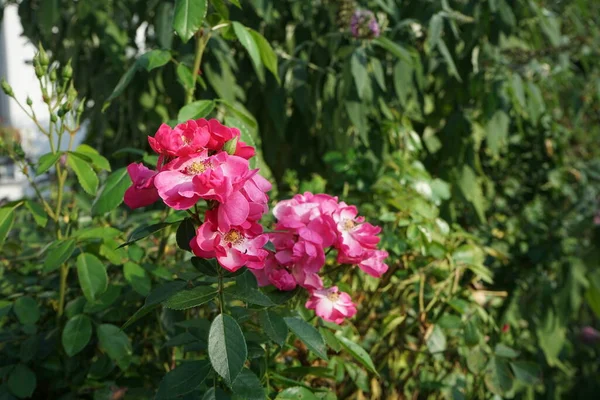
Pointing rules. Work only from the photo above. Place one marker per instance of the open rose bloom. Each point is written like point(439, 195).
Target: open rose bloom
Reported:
point(205, 161)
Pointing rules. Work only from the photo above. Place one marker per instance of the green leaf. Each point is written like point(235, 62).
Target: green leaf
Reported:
point(137, 277)
point(308, 334)
point(227, 348)
point(122, 84)
point(164, 25)
point(195, 110)
point(59, 254)
point(248, 386)
point(157, 296)
point(296, 393)
point(185, 378)
point(436, 342)
point(498, 377)
point(551, 334)
point(471, 190)
point(185, 76)
point(191, 298)
point(518, 91)
point(251, 47)
point(393, 48)
point(378, 73)
point(330, 339)
point(26, 310)
point(38, 212)
point(154, 59)
point(502, 350)
point(267, 55)
point(358, 65)
point(476, 360)
point(497, 132)
point(249, 295)
point(449, 61)
point(357, 352)
point(97, 160)
point(92, 276)
point(77, 334)
point(185, 233)
point(527, 372)
point(215, 394)
point(22, 381)
point(274, 326)
point(112, 193)
point(7, 218)
point(207, 267)
point(436, 26)
point(358, 117)
point(145, 231)
point(85, 173)
point(47, 161)
point(115, 343)
point(188, 17)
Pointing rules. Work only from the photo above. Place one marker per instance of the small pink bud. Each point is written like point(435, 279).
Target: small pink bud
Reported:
point(589, 335)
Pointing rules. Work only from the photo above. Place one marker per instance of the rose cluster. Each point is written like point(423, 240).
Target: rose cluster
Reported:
point(205, 160)
point(308, 227)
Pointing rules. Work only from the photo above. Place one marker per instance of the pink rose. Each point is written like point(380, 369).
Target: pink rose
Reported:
point(185, 180)
point(185, 139)
point(142, 191)
point(356, 237)
point(220, 134)
point(331, 304)
point(373, 264)
point(233, 249)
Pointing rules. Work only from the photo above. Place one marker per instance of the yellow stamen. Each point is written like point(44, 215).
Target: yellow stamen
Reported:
point(333, 296)
point(185, 140)
point(234, 237)
point(196, 168)
point(349, 224)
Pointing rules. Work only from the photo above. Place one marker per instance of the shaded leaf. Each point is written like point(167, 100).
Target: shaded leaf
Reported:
point(227, 348)
point(76, 334)
point(92, 276)
point(308, 334)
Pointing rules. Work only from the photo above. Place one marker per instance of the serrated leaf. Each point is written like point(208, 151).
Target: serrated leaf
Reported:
point(92, 276)
point(157, 296)
point(527, 372)
point(112, 193)
point(502, 350)
point(85, 173)
point(274, 326)
point(188, 17)
point(38, 212)
point(227, 348)
point(186, 231)
point(195, 110)
point(357, 352)
point(248, 386)
point(358, 66)
point(76, 334)
point(191, 298)
point(308, 334)
point(296, 393)
point(96, 159)
point(47, 161)
point(207, 267)
point(498, 377)
point(145, 231)
point(497, 132)
point(476, 360)
point(185, 378)
point(59, 254)
point(185, 76)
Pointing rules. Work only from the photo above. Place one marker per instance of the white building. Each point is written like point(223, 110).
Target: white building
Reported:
point(16, 55)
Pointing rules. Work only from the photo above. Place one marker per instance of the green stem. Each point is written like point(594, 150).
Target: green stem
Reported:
point(221, 297)
point(64, 272)
point(201, 42)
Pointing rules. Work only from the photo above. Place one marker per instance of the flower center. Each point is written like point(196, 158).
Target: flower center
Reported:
point(196, 168)
point(348, 224)
point(185, 139)
point(333, 296)
point(234, 237)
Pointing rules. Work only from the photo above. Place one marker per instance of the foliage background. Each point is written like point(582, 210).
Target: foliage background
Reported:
point(469, 130)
